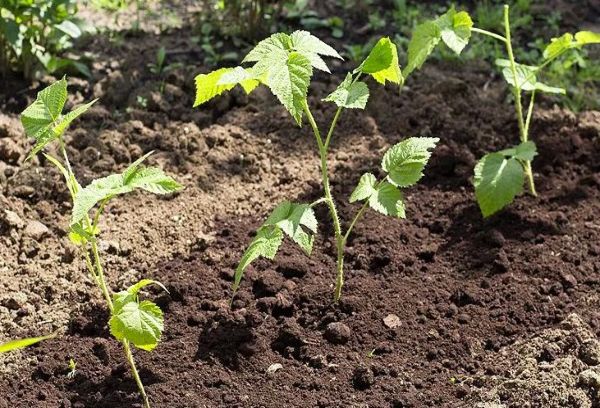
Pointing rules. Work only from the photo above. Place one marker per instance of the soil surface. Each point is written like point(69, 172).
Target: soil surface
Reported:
point(443, 309)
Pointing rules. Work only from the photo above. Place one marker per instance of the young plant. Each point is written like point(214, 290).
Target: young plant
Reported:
point(285, 63)
point(159, 68)
point(132, 322)
point(72, 369)
point(499, 176)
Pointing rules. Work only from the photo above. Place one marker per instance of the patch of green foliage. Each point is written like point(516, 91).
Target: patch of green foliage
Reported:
point(132, 322)
point(34, 34)
point(115, 6)
point(160, 68)
point(72, 369)
point(285, 64)
point(500, 176)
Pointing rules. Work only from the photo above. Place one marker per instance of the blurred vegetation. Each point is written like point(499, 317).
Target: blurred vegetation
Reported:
point(243, 22)
point(34, 33)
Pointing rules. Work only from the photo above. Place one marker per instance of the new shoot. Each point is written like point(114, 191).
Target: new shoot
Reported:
point(285, 63)
point(132, 322)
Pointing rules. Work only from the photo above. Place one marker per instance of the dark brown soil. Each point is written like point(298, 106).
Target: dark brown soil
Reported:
point(479, 304)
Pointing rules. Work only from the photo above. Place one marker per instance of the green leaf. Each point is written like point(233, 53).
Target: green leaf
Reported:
point(98, 190)
point(54, 98)
point(388, 200)
point(69, 28)
point(587, 37)
point(565, 42)
point(291, 217)
point(379, 58)
point(22, 343)
point(58, 127)
point(151, 179)
point(275, 47)
point(134, 289)
point(70, 179)
point(289, 83)
point(455, 29)
point(525, 74)
point(526, 77)
point(12, 33)
point(303, 41)
point(365, 188)
point(207, 86)
point(405, 161)
point(65, 121)
point(425, 38)
point(558, 45)
point(42, 120)
point(350, 94)
point(40, 115)
point(140, 323)
point(382, 63)
point(497, 181)
point(79, 235)
point(295, 220)
point(266, 243)
point(540, 86)
point(239, 75)
point(311, 47)
point(525, 151)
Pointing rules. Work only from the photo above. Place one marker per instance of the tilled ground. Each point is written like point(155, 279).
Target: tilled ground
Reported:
point(442, 309)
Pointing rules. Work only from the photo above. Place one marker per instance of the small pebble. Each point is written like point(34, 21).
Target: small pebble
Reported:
point(12, 219)
point(273, 368)
point(568, 280)
point(36, 230)
point(337, 333)
point(392, 321)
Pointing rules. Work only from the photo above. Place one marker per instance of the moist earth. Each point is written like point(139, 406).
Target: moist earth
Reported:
point(442, 309)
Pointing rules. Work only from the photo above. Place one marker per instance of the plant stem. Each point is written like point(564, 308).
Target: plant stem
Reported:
point(523, 130)
point(513, 68)
point(136, 375)
point(340, 242)
point(356, 218)
point(106, 293)
point(489, 34)
point(529, 112)
point(529, 175)
point(317, 202)
point(101, 278)
point(359, 214)
point(332, 127)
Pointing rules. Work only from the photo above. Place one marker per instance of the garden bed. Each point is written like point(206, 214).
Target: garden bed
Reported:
point(442, 309)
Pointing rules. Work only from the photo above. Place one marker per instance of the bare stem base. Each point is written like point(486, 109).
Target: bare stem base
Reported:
point(530, 181)
point(136, 375)
point(339, 281)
